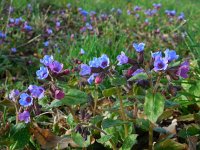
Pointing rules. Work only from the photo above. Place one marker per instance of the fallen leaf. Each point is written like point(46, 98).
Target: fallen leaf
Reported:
point(48, 140)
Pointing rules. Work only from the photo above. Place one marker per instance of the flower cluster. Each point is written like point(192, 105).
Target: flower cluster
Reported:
point(160, 63)
point(51, 66)
point(96, 69)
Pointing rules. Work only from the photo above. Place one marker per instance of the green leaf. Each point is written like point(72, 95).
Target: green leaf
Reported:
point(107, 123)
point(72, 97)
point(20, 134)
point(78, 139)
point(190, 130)
point(109, 92)
point(96, 119)
point(129, 142)
point(140, 76)
point(104, 139)
point(169, 144)
point(117, 81)
point(153, 106)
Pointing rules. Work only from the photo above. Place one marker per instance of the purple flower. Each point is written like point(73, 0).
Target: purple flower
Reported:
point(13, 95)
point(150, 12)
point(2, 35)
point(170, 55)
point(88, 26)
point(123, 59)
point(18, 20)
point(49, 31)
point(42, 73)
point(25, 116)
point(160, 64)
point(157, 6)
point(57, 24)
point(183, 70)
point(156, 54)
point(58, 94)
point(36, 91)
point(11, 20)
point(138, 71)
point(181, 16)
point(139, 47)
point(104, 61)
point(46, 44)
point(170, 13)
point(128, 12)
point(14, 50)
point(47, 60)
point(56, 67)
point(119, 11)
point(137, 8)
point(25, 100)
point(85, 70)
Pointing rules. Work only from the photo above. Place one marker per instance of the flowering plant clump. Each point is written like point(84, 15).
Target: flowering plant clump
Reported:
point(121, 77)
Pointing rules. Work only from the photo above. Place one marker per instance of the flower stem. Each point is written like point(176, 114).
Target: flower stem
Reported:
point(150, 136)
point(122, 113)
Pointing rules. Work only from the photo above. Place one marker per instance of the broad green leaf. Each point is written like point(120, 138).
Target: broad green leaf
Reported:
point(190, 130)
point(20, 134)
point(129, 142)
point(117, 81)
point(72, 97)
point(140, 76)
point(169, 144)
point(78, 139)
point(109, 92)
point(96, 119)
point(107, 123)
point(153, 106)
point(104, 139)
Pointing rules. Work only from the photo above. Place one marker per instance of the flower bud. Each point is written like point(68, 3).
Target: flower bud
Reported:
point(98, 80)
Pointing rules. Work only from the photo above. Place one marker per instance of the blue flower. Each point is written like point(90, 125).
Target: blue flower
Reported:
point(85, 70)
point(25, 116)
point(27, 27)
point(104, 61)
point(82, 52)
point(42, 73)
point(94, 63)
point(170, 55)
point(46, 44)
point(156, 54)
point(36, 91)
point(47, 60)
point(25, 100)
point(160, 64)
point(123, 59)
point(84, 13)
point(139, 47)
point(14, 50)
